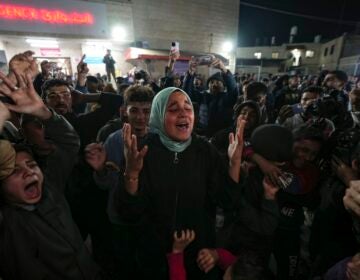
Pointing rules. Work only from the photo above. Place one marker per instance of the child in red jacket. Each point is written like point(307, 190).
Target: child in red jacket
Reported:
point(207, 258)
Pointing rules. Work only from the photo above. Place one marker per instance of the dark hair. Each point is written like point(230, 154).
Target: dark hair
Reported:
point(255, 88)
point(340, 75)
point(122, 88)
point(246, 83)
point(308, 132)
point(141, 74)
point(92, 79)
point(22, 147)
point(138, 93)
point(239, 105)
point(314, 89)
point(281, 79)
point(52, 83)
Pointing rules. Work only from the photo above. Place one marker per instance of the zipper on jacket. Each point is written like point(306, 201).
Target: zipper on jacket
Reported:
point(176, 159)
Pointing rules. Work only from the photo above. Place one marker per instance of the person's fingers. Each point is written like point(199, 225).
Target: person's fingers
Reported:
point(231, 138)
point(20, 79)
point(240, 129)
point(134, 148)
point(127, 135)
point(355, 185)
point(183, 235)
point(82, 58)
point(351, 204)
point(29, 82)
point(34, 66)
point(201, 255)
point(208, 266)
point(188, 235)
point(143, 151)
point(274, 178)
point(192, 237)
point(7, 81)
point(175, 235)
point(205, 261)
point(354, 194)
point(13, 108)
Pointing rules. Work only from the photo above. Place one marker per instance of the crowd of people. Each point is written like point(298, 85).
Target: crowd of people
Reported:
point(178, 178)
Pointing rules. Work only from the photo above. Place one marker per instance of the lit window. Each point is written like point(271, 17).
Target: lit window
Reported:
point(296, 57)
point(309, 53)
point(275, 55)
point(257, 55)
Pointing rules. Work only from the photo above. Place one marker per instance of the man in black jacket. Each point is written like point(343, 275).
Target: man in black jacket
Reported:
point(215, 107)
point(87, 201)
point(109, 65)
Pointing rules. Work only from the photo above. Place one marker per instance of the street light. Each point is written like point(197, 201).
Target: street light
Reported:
point(118, 33)
point(227, 47)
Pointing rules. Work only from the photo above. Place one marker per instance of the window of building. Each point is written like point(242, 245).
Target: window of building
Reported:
point(309, 53)
point(326, 51)
point(332, 49)
point(275, 55)
point(257, 55)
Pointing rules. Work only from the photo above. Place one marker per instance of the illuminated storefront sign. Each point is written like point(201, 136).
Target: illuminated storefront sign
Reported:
point(53, 52)
point(79, 18)
point(15, 12)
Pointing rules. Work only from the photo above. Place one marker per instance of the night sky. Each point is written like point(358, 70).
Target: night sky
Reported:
point(255, 23)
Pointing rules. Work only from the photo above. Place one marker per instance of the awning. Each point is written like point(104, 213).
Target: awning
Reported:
point(150, 54)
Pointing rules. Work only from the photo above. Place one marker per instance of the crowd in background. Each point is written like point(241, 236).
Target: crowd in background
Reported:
point(179, 178)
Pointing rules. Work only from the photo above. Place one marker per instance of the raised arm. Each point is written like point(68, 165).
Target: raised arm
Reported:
point(229, 80)
point(27, 101)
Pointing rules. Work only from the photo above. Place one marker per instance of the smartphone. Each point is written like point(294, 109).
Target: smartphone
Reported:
point(204, 59)
point(297, 109)
point(175, 47)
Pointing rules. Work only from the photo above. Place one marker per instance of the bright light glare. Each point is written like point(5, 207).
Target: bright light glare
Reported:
point(118, 33)
point(99, 44)
point(43, 43)
point(227, 47)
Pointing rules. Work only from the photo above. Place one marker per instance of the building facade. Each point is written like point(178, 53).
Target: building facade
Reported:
point(62, 31)
point(341, 53)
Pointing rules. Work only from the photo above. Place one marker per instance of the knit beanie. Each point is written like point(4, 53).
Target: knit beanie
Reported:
point(217, 76)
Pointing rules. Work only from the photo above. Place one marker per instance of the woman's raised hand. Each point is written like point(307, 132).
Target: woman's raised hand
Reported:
point(236, 142)
point(134, 157)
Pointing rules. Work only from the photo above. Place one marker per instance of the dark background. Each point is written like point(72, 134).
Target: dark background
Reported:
point(260, 23)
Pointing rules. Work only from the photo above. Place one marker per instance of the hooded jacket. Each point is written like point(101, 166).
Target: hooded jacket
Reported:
point(42, 241)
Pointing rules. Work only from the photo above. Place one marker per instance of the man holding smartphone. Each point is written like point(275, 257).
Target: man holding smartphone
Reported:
point(292, 116)
point(216, 104)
